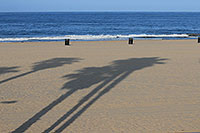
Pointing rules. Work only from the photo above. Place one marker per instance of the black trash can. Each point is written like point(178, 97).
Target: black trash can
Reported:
point(67, 42)
point(130, 41)
point(198, 39)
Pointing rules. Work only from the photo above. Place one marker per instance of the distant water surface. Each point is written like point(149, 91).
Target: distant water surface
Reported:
point(97, 25)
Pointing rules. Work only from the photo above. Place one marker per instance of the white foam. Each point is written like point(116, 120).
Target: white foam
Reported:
point(94, 37)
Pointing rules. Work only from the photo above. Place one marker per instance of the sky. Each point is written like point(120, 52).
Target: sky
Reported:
point(98, 5)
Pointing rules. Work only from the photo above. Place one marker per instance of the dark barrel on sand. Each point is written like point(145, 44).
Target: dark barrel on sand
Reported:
point(198, 39)
point(130, 41)
point(67, 41)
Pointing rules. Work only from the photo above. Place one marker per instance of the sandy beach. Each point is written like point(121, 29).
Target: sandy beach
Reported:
point(100, 87)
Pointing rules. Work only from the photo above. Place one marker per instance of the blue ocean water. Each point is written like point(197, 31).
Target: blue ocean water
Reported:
point(97, 25)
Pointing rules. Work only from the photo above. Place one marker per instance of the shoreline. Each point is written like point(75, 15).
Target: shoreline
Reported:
point(135, 39)
point(103, 37)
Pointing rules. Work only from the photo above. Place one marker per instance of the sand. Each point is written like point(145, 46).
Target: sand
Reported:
point(97, 87)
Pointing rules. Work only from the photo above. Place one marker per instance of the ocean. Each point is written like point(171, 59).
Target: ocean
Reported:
point(55, 26)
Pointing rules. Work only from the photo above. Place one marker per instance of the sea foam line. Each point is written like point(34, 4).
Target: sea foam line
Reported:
point(94, 37)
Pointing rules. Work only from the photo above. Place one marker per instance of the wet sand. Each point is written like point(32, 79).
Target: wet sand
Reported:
point(100, 86)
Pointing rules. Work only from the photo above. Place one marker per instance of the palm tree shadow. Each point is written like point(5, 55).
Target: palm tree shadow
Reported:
point(47, 64)
point(109, 76)
point(4, 70)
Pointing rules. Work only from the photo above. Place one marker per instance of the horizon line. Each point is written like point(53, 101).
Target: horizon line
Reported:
point(100, 11)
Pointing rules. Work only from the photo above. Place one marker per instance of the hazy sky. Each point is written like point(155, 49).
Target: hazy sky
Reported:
point(99, 5)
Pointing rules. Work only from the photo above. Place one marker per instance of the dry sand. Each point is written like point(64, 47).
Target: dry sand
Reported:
point(97, 87)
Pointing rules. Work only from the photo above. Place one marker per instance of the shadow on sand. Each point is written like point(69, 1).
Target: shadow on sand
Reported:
point(38, 66)
point(107, 77)
point(4, 70)
point(8, 102)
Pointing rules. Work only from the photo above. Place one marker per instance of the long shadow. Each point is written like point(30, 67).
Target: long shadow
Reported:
point(8, 102)
point(47, 64)
point(4, 70)
point(109, 76)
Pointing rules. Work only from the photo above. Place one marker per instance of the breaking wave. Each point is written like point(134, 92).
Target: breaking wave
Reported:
point(93, 37)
